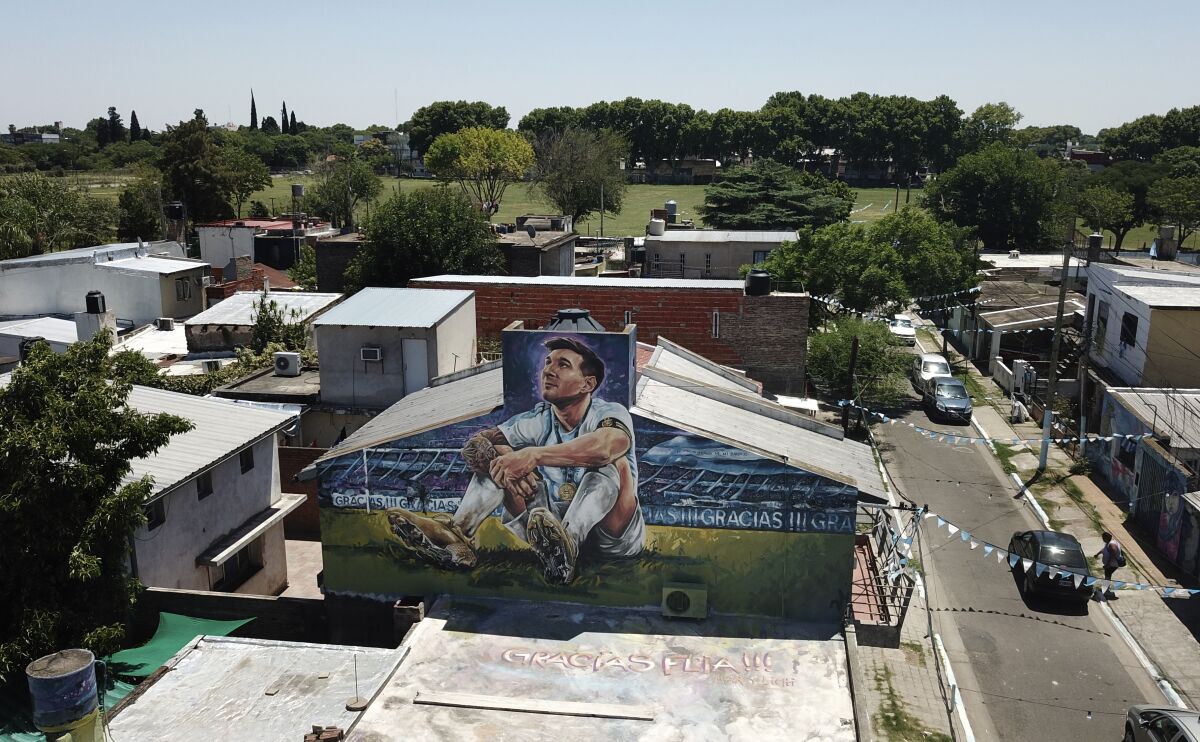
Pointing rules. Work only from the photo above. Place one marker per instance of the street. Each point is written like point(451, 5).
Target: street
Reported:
point(1027, 668)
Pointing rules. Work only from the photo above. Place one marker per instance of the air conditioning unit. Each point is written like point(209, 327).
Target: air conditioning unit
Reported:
point(368, 353)
point(165, 323)
point(683, 600)
point(210, 367)
point(287, 364)
point(1014, 254)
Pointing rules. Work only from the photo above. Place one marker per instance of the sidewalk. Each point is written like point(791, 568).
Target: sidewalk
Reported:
point(1076, 505)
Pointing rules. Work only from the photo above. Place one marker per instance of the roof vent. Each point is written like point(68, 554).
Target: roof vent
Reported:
point(574, 320)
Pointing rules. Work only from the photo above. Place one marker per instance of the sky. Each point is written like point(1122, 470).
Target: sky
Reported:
point(1093, 64)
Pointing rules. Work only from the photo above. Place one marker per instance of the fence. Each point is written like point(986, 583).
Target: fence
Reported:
point(882, 588)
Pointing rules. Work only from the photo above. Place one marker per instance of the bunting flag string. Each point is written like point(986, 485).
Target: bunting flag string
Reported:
point(986, 330)
point(1013, 560)
point(955, 439)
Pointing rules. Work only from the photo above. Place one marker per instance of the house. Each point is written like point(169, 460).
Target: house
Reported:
point(231, 322)
point(382, 344)
point(141, 281)
point(1145, 324)
point(707, 253)
point(719, 487)
point(30, 137)
point(274, 242)
point(685, 171)
point(766, 337)
point(539, 246)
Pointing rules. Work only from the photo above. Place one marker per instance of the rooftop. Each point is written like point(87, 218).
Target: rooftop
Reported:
point(53, 329)
point(587, 282)
point(1035, 315)
point(478, 666)
point(1161, 266)
point(543, 240)
point(1127, 275)
point(239, 308)
point(265, 386)
point(1171, 413)
point(160, 266)
point(384, 307)
point(1028, 260)
point(721, 235)
point(1163, 297)
point(96, 254)
point(253, 689)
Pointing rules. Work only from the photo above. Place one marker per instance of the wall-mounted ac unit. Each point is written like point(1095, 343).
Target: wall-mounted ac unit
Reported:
point(684, 600)
point(287, 364)
point(368, 353)
point(165, 323)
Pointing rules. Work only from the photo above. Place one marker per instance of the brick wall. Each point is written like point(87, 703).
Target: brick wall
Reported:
point(303, 522)
point(333, 257)
point(224, 289)
point(766, 336)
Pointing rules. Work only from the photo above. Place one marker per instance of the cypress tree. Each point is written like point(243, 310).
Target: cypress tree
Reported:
point(135, 129)
point(253, 112)
point(292, 124)
point(283, 119)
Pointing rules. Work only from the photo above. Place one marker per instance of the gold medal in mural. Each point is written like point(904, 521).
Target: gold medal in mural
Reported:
point(566, 491)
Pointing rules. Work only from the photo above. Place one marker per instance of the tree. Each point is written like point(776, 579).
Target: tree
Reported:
point(304, 272)
point(116, 129)
point(66, 439)
point(292, 124)
point(193, 168)
point(1103, 208)
point(483, 162)
point(447, 117)
point(991, 122)
point(880, 366)
point(1134, 178)
point(139, 211)
point(341, 185)
point(269, 125)
point(571, 167)
point(253, 112)
point(242, 174)
point(272, 325)
point(425, 232)
point(770, 195)
point(258, 210)
point(543, 121)
point(1007, 196)
point(40, 214)
point(377, 154)
point(1180, 162)
point(1177, 201)
point(1139, 139)
point(283, 119)
point(135, 129)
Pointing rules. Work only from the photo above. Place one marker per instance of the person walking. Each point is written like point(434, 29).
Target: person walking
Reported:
point(1113, 557)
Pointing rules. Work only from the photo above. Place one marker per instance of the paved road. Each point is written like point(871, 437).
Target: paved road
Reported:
point(1028, 669)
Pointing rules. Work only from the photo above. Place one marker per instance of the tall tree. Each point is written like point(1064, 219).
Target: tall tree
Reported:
point(193, 169)
point(447, 117)
point(1102, 208)
point(1176, 201)
point(242, 174)
point(292, 124)
point(253, 112)
point(67, 437)
point(135, 129)
point(1134, 178)
point(1139, 139)
point(483, 161)
point(269, 125)
point(574, 169)
point(770, 195)
point(341, 185)
point(139, 211)
point(991, 122)
point(40, 214)
point(423, 233)
point(283, 118)
point(879, 369)
point(116, 129)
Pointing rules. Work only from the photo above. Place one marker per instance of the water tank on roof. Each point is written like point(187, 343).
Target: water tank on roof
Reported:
point(657, 227)
point(758, 283)
point(175, 211)
point(672, 211)
point(530, 230)
point(63, 689)
point(94, 301)
point(574, 320)
point(297, 190)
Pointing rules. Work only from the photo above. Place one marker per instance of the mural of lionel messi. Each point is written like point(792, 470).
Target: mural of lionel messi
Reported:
point(563, 473)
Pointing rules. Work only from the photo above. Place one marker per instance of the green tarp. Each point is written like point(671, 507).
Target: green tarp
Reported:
point(174, 633)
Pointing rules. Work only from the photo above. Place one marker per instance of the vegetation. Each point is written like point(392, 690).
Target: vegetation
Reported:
point(769, 195)
point(483, 161)
point(341, 184)
point(66, 440)
point(194, 169)
point(580, 172)
point(893, 722)
point(139, 210)
point(1177, 201)
point(304, 272)
point(447, 117)
point(880, 369)
point(39, 214)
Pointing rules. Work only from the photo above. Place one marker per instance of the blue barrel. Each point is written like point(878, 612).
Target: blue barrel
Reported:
point(63, 687)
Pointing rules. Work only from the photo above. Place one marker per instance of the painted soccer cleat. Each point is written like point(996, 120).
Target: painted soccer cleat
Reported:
point(434, 538)
point(553, 545)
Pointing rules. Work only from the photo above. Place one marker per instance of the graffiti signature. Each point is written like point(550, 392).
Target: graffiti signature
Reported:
point(666, 664)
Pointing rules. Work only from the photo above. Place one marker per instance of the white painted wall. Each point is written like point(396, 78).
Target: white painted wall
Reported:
point(60, 289)
point(220, 244)
point(455, 335)
point(1126, 361)
point(166, 556)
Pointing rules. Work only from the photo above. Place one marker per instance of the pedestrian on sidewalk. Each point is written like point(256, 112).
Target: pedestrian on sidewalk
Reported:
point(1113, 558)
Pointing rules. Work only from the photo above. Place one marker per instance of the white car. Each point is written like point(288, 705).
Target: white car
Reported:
point(926, 366)
point(901, 328)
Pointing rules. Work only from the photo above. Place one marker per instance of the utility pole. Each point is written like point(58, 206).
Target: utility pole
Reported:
point(1095, 242)
point(602, 208)
point(850, 386)
point(1051, 381)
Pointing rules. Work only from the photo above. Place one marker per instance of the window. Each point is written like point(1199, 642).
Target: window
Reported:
point(708, 262)
point(183, 289)
point(156, 514)
point(628, 317)
point(1101, 326)
point(1127, 452)
point(247, 459)
point(716, 324)
point(682, 260)
point(760, 256)
point(656, 260)
point(1129, 326)
point(239, 567)
point(204, 486)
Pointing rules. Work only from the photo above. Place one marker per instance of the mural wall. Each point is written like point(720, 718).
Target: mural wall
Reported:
point(564, 494)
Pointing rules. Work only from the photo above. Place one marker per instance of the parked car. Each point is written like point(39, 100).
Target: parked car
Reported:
point(1053, 549)
point(946, 397)
point(926, 366)
point(902, 329)
point(1161, 724)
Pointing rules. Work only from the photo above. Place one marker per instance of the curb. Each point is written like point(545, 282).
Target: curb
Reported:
point(983, 433)
point(858, 681)
point(1033, 503)
point(955, 696)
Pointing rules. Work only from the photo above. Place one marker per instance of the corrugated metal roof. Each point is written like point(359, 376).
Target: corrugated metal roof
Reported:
point(588, 282)
point(720, 235)
point(684, 363)
point(1174, 413)
point(383, 307)
point(98, 253)
point(239, 308)
point(843, 460)
point(161, 266)
point(429, 408)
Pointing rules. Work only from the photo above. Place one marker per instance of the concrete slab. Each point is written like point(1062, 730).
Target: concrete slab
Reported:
point(1166, 629)
point(304, 564)
point(723, 678)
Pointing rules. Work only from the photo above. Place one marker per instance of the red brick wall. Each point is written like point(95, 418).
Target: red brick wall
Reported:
point(303, 522)
point(764, 335)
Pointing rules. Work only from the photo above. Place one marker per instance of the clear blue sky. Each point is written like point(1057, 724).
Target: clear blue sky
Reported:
point(1094, 64)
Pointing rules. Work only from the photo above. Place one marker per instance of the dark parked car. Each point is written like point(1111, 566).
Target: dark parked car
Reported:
point(946, 397)
point(1053, 549)
point(1161, 724)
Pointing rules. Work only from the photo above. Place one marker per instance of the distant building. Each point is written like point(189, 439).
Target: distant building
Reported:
point(705, 253)
point(30, 137)
point(273, 242)
point(231, 323)
point(539, 246)
point(687, 171)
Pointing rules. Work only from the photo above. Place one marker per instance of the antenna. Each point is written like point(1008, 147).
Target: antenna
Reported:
point(358, 703)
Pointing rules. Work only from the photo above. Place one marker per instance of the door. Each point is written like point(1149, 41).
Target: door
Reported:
point(416, 366)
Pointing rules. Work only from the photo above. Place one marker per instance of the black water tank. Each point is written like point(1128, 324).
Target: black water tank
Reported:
point(758, 283)
point(27, 345)
point(574, 320)
point(95, 302)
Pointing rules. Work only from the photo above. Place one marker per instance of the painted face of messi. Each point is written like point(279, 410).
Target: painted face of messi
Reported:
point(563, 380)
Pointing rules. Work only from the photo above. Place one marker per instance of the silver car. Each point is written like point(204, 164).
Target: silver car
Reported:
point(926, 366)
point(946, 397)
point(1161, 724)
